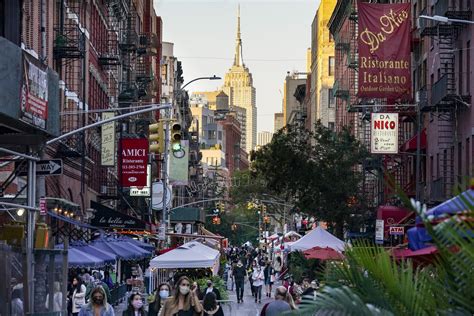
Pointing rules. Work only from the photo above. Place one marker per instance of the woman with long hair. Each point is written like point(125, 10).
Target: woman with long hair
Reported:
point(135, 306)
point(184, 302)
point(78, 296)
point(161, 295)
point(97, 304)
point(210, 306)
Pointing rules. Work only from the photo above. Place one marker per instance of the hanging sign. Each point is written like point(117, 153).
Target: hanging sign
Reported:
point(379, 231)
point(384, 51)
point(107, 156)
point(34, 92)
point(105, 217)
point(384, 133)
point(133, 162)
point(142, 191)
point(396, 230)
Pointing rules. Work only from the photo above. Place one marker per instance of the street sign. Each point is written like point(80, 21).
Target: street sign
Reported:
point(51, 167)
point(43, 206)
point(397, 230)
point(162, 232)
point(379, 237)
point(157, 196)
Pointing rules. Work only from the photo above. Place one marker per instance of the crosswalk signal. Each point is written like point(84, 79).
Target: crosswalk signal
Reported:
point(156, 138)
point(176, 137)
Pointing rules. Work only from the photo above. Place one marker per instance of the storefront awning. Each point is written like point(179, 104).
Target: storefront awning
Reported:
point(410, 145)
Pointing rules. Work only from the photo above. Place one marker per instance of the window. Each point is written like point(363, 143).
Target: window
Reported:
point(331, 66)
point(330, 98)
point(331, 126)
point(219, 135)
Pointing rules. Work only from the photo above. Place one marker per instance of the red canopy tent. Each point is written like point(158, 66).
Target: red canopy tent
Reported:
point(323, 254)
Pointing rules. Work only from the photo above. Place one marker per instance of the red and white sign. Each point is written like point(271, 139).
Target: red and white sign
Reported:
point(43, 206)
point(397, 230)
point(384, 133)
point(34, 93)
point(133, 161)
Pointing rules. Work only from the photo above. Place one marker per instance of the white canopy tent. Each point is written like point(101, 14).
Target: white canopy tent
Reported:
point(318, 237)
point(190, 255)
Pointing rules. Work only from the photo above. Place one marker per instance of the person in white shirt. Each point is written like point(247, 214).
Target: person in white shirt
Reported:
point(57, 298)
point(258, 277)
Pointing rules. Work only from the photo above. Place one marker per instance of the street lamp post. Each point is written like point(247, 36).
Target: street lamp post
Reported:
point(166, 219)
point(444, 19)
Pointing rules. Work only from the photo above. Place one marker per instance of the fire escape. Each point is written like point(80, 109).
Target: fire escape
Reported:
point(109, 60)
point(445, 101)
point(69, 55)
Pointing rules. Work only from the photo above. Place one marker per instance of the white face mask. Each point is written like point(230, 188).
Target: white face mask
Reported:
point(164, 294)
point(184, 290)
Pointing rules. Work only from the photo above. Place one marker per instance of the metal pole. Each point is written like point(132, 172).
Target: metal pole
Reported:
point(30, 234)
point(152, 107)
point(166, 223)
point(418, 154)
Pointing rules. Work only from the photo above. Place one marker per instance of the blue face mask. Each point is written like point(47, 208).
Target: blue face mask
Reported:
point(164, 294)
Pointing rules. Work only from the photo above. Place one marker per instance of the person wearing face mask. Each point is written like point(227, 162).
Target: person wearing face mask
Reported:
point(239, 278)
point(97, 305)
point(212, 289)
point(184, 301)
point(135, 306)
point(162, 293)
point(258, 277)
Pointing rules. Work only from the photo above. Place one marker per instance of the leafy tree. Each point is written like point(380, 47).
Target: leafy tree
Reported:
point(319, 171)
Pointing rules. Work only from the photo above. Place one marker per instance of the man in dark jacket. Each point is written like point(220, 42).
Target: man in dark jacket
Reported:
point(211, 288)
point(239, 278)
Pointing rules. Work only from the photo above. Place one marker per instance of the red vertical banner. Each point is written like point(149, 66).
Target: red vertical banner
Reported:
point(384, 51)
point(133, 161)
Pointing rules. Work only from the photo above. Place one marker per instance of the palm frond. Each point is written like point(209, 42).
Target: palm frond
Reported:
point(340, 301)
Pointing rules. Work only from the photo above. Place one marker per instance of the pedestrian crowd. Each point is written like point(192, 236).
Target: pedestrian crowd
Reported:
point(263, 273)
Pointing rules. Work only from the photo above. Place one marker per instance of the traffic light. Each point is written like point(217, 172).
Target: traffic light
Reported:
point(156, 138)
point(176, 137)
point(220, 206)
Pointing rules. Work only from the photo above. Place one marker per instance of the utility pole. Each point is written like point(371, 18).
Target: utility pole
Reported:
point(166, 220)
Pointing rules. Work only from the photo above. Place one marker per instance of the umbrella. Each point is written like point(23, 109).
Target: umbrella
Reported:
point(109, 258)
point(140, 244)
point(123, 250)
point(455, 205)
point(408, 253)
point(79, 259)
point(323, 254)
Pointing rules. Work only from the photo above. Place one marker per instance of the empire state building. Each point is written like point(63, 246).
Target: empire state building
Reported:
point(238, 85)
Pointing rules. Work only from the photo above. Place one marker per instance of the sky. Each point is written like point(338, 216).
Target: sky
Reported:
point(275, 37)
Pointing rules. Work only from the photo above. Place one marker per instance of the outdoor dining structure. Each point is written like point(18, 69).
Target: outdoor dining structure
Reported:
point(420, 244)
point(191, 255)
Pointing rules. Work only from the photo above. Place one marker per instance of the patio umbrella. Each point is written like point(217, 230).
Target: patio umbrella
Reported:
point(455, 205)
point(79, 259)
point(323, 254)
point(108, 257)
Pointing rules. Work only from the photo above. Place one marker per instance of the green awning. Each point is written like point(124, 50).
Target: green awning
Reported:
point(186, 214)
